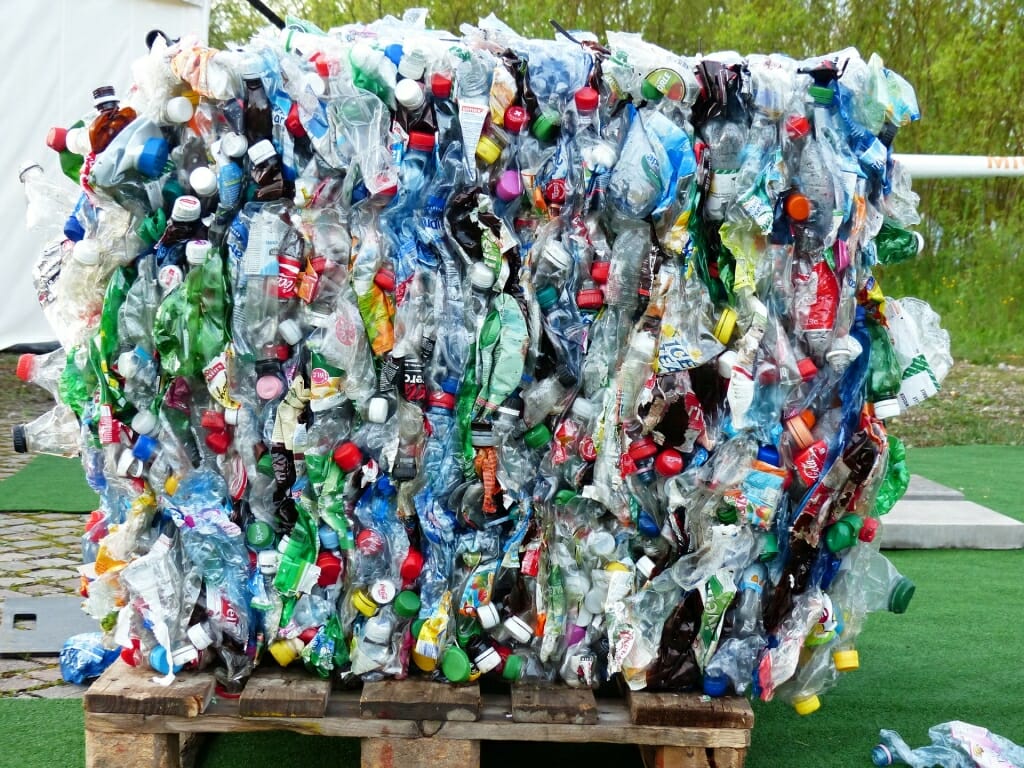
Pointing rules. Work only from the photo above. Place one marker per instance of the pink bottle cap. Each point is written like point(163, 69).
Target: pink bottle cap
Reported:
point(510, 186)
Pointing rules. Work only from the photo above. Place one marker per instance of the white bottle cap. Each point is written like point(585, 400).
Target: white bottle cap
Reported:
point(186, 208)
point(197, 251)
point(409, 94)
point(127, 367)
point(646, 566)
point(556, 254)
point(268, 561)
point(86, 253)
point(169, 277)
point(481, 276)
point(726, 361)
point(601, 544)
point(583, 409)
point(199, 636)
point(594, 601)
point(128, 465)
point(383, 591)
point(487, 661)
point(203, 181)
point(233, 144)
point(377, 410)
point(231, 416)
point(179, 110)
point(261, 151)
point(145, 422)
point(77, 141)
point(519, 630)
point(488, 616)
point(887, 409)
point(290, 331)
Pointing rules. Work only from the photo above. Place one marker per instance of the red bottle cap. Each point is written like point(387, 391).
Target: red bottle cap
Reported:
point(599, 271)
point(797, 126)
point(25, 365)
point(641, 449)
point(590, 298)
point(868, 530)
point(412, 566)
point(348, 457)
point(516, 119)
point(330, 569)
point(293, 123)
point(369, 542)
point(798, 207)
point(441, 400)
point(218, 442)
point(808, 370)
point(421, 141)
point(213, 420)
point(810, 461)
point(440, 85)
point(669, 462)
point(57, 139)
point(385, 279)
point(307, 635)
point(587, 99)
point(554, 191)
point(95, 518)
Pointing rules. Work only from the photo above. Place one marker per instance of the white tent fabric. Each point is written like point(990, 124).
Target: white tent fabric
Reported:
point(56, 52)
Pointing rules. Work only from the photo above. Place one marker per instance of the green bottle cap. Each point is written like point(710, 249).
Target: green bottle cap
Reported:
point(769, 547)
point(259, 535)
point(727, 515)
point(842, 534)
point(513, 666)
point(416, 627)
point(467, 632)
point(407, 604)
point(899, 598)
point(537, 436)
point(265, 466)
point(564, 496)
point(455, 665)
point(650, 91)
point(821, 94)
point(546, 126)
point(152, 227)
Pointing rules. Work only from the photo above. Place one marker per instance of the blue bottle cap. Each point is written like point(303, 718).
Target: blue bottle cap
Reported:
point(769, 454)
point(716, 685)
point(329, 537)
point(153, 157)
point(647, 525)
point(450, 384)
point(394, 52)
point(145, 448)
point(73, 229)
point(158, 661)
point(880, 755)
point(547, 297)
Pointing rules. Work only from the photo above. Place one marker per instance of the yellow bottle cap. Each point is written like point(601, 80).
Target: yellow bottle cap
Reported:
point(488, 150)
point(425, 663)
point(846, 661)
point(283, 652)
point(616, 567)
point(363, 603)
point(171, 485)
point(807, 706)
point(726, 325)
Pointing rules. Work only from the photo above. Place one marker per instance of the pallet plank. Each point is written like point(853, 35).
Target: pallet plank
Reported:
point(689, 709)
point(129, 690)
point(131, 750)
point(419, 753)
point(495, 724)
point(420, 700)
point(284, 693)
point(550, 704)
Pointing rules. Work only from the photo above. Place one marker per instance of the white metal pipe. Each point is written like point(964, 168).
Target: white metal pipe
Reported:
point(960, 166)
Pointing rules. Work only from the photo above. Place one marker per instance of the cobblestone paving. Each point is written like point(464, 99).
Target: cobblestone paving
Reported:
point(38, 551)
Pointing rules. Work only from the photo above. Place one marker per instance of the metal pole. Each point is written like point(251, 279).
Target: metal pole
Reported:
point(961, 166)
point(268, 14)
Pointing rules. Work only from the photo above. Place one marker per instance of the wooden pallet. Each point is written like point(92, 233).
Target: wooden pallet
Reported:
point(132, 722)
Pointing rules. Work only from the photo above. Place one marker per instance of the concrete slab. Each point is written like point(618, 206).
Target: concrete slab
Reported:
point(948, 524)
point(922, 488)
point(41, 625)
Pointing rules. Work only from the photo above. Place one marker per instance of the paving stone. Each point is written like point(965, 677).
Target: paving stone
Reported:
point(46, 674)
point(62, 691)
point(14, 581)
point(17, 683)
point(55, 562)
point(18, 664)
point(15, 566)
point(52, 573)
point(38, 590)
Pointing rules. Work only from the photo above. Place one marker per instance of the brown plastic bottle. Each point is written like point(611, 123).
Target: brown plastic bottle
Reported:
point(111, 120)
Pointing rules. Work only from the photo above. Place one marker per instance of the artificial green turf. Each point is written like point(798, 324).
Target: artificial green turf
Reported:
point(986, 474)
point(48, 484)
point(39, 733)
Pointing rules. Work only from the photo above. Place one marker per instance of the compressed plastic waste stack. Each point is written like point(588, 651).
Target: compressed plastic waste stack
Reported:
point(393, 353)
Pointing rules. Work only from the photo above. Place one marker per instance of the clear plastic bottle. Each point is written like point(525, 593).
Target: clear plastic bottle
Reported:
point(43, 370)
point(726, 140)
point(56, 432)
point(111, 120)
point(474, 107)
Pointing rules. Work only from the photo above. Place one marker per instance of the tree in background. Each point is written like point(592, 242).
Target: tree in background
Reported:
point(962, 56)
